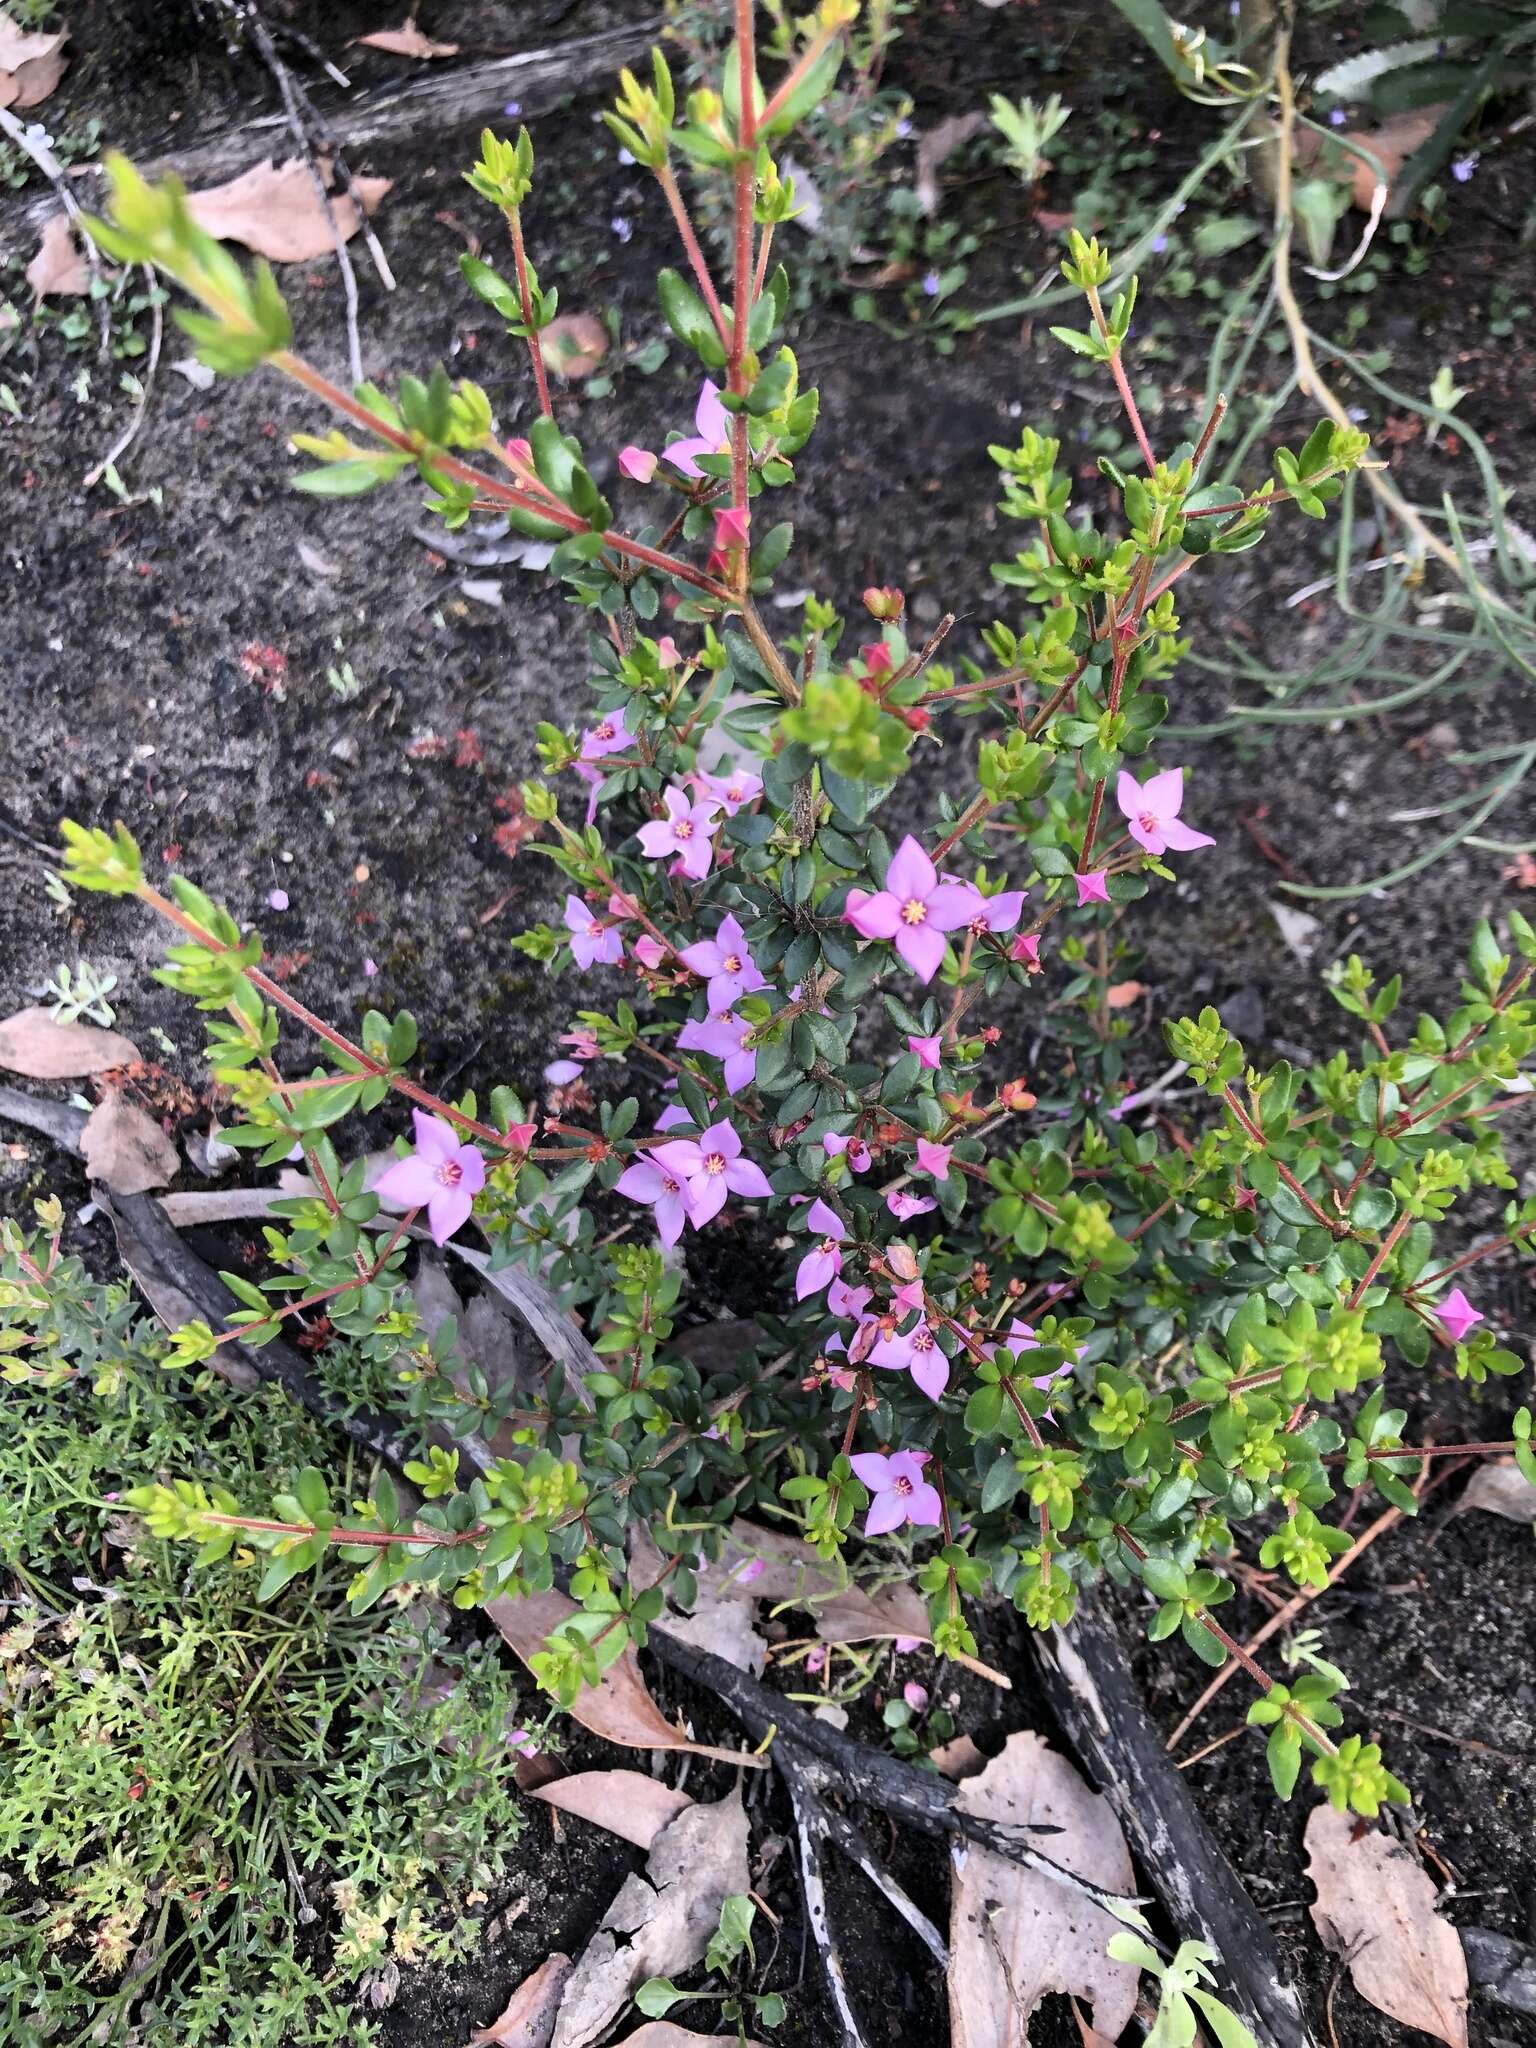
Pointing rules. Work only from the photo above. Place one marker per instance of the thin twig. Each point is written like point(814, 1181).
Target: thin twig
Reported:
point(146, 385)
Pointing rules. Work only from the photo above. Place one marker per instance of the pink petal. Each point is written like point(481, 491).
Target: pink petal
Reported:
point(410, 1183)
point(656, 840)
point(1129, 794)
point(923, 1508)
point(1184, 838)
point(1164, 794)
point(435, 1139)
point(743, 1178)
point(871, 1469)
point(954, 905)
point(931, 1373)
point(911, 873)
point(642, 1182)
point(887, 1511)
point(447, 1212)
point(707, 1198)
point(922, 948)
point(873, 917)
point(824, 1221)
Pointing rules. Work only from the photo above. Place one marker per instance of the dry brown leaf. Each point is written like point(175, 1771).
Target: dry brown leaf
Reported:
point(1501, 1488)
point(122, 1145)
point(274, 210)
point(793, 1572)
point(574, 344)
point(1393, 142)
point(618, 1707)
point(1090, 2036)
point(626, 1803)
point(31, 63)
point(959, 1759)
point(529, 2019)
point(1013, 1933)
point(717, 1623)
point(38, 1045)
point(668, 2034)
point(58, 269)
point(666, 1918)
point(406, 41)
point(1121, 994)
point(1376, 1907)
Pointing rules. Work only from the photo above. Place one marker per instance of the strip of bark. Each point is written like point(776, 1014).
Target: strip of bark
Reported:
point(1093, 1692)
point(464, 96)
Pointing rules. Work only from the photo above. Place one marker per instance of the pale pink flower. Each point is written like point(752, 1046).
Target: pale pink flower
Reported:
point(711, 1166)
point(932, 1158)
point(610, 735)
point(277, 899)
point(904, 1206)
point(905, 1645)
point(916, 1696)
point(649, 952)
point(666, 651)
point(520, 1740)
point(686, 832)
point(727, 964)
point(900, 1492)
point(914, 908)
point(732, 791)
point(918, 1352)
point(558, 1072)
point(592, 943)
point(724, 1037)
point(662, 1189)
point(441, 1176)
point(1457, 1315)
point(1151, 811)
point(638, 464)
point(928, 1050)
point(1092, 888)
point(711, 436)
point(909, 1294)
point(824, 1261)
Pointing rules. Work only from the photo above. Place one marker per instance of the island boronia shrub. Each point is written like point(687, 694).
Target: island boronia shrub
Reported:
point(1020, 1346)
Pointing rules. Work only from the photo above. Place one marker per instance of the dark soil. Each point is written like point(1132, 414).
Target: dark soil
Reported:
point(134, 688)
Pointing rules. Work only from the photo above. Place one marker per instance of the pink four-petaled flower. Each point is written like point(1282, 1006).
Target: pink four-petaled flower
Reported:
point(732, 791)
point(592, 944)
point(711, 1167)
point(1152, 809)
point(441, 1176)
point(1092, 888)
point(661, 1188)
point(916, 1351)
point(686, 832)
point(900, 1492)
point(915, 908)
point(933, 1159)
point(610, 735)
point(726, 1038)
point(727, 964)
point(929, 1050)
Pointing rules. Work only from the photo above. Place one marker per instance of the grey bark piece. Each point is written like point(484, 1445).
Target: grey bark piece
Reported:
point(463, 96)
point(1501, 1969)
point(1090, 1686)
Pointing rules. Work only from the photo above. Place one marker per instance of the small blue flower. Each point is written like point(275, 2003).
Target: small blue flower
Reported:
point(621, 227)
point(1462, 167)
point(931, 284)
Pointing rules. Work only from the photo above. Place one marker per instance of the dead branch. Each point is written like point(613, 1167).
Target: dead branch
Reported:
point(458, 97)
point(1091, 1688)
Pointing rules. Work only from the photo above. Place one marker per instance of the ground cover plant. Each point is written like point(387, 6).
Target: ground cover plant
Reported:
point(1039, 1452)
point(1087, 1350)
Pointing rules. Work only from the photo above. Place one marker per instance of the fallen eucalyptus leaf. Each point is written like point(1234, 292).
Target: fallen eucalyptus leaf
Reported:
point(31, 63)
point(529, 2019)
point(574, 344)
point(58, 270)
point(122, 1145)
point(406, 41)
point(36, 1044)
point(627, 1803)
point(666, 1918)
point(1014, 1934)
point(1501, 1488)
point(618, 1707)
point(1376, 1908)
point(274, 210)
point(668, 2034)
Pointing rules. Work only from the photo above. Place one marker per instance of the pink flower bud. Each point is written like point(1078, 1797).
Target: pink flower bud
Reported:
point(638, 464)
point(915, 1695)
